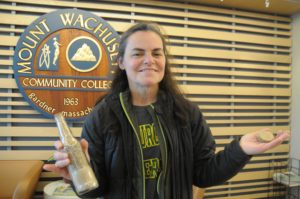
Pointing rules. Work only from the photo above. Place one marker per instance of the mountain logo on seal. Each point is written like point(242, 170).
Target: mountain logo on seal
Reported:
point(83, 54)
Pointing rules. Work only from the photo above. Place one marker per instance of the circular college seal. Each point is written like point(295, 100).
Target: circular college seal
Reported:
point(64, 61)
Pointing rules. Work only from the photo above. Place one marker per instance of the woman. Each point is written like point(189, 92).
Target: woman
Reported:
point(145, 140)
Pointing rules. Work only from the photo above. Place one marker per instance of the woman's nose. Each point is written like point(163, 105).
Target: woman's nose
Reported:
point(148, 59)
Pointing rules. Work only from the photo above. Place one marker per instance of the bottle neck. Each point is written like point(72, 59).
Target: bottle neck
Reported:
point(65, 133)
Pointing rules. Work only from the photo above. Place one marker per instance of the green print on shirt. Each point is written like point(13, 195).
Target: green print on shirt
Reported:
point(148, 136)
point(151, 168)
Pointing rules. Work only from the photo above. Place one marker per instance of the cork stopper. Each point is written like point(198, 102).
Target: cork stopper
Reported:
point(265, 136)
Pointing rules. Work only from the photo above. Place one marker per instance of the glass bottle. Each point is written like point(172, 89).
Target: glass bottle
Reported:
point(81, 173)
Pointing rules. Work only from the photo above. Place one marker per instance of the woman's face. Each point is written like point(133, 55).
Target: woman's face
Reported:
point(144, 60)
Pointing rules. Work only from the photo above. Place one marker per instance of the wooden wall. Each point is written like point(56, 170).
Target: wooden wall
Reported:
point(235, 64)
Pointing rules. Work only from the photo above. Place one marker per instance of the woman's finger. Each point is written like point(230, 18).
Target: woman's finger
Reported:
point(62, 163)
point(59, 155)
point(281, 137)
point(62, 171)
point(58, 145)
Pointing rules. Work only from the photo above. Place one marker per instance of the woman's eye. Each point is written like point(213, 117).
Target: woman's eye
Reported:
point(157, 54)
point(136, 54)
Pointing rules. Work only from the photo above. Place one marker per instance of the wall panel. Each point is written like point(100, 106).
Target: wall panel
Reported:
point(234, 64)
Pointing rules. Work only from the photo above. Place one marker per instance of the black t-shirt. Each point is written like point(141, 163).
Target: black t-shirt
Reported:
point(151, 150)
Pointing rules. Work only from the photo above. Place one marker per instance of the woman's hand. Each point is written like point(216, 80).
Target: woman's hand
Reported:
point(62, 159)
point(251, 145)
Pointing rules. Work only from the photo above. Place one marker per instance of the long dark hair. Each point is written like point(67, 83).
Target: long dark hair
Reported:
point(168, 84)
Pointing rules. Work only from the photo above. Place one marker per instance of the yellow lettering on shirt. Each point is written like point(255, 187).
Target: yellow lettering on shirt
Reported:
point(148, 136)
point(151, 168)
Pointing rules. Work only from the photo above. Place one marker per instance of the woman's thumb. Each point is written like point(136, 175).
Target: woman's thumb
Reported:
point(85, 145)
